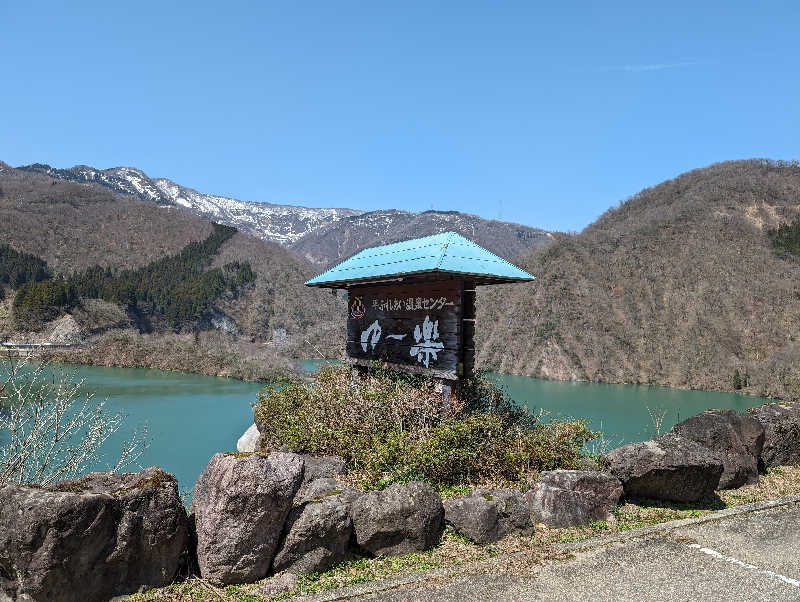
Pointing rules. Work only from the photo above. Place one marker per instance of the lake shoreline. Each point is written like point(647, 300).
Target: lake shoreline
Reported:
point(186, 354)
point(192, 416)
point(176, 353)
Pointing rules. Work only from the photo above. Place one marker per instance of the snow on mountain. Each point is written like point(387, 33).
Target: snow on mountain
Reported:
point(322, 236)
point(283, 224)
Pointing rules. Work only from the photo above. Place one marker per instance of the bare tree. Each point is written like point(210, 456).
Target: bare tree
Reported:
point(656, 418)
point(51, 429)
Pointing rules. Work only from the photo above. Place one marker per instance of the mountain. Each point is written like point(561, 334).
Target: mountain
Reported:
point(283, 224)
point(680, 285)
point(339, 239)
point(73, 226)
point(322, 236)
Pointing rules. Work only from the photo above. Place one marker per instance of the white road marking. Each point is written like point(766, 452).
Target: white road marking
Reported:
point(744, 565)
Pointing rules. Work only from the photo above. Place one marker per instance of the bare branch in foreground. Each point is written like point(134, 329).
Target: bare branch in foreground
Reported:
point(50, 429)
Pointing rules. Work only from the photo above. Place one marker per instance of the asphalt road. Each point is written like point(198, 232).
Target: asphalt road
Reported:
point(753, 556)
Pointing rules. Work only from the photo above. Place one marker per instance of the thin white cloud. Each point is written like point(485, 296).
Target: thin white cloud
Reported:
point(653, 67)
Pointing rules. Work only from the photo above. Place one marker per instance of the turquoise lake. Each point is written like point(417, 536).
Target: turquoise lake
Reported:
point(191, 417)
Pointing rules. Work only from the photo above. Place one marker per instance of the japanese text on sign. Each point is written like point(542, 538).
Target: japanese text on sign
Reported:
point(411, 304)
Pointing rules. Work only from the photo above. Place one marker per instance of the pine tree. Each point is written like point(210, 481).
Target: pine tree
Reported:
point(737, 380)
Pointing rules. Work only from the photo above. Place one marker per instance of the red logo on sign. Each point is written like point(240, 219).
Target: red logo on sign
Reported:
point(357, 308)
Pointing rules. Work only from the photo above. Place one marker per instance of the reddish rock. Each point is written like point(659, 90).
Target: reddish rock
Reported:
point(240, 505)
point(569, 498)
point(94, 538)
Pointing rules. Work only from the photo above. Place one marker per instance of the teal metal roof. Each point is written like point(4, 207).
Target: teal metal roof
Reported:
point(446, 253)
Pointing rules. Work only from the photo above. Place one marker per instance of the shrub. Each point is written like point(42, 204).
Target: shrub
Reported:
point(391, 427)
point(786, 237)
point(51, 429)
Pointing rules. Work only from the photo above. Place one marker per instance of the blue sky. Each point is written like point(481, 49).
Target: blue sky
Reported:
point(540, 113)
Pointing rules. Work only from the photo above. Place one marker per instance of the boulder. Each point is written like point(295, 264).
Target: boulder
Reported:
point(240, 505)
point(321, 488)
point(316, 536)
point(473, 516)
point(666, 468)
point(248, 442)
point(398, 520)
point(569, 498)
point(318, 530)
point(737, 438)
point(94, 538)
point(323, 471)
point(280, 584)
point(486, 515)
point(513, 514)
point(781, 434)
point(323, 467)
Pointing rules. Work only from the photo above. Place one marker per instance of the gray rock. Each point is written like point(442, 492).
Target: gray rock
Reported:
point(666, 468)
point(737, 438)
point(240, 506)
point(398, 520)
point(474, 517)
point(281, 584)
point(486, 515)
point(100, 536)
point(513, 514)
point(318, 489)
point(248, 442)
point(316, 536)
point(569, 498)
point(781, 434)
point(323, 467)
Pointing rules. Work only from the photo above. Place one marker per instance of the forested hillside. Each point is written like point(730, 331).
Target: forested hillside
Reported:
point(75, 226)
point(680, 285)
point(176, 292)
point(692, 283)
point(178, 272)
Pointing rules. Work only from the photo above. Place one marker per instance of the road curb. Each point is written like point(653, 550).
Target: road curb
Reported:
point(603, 540)
point(356, 591)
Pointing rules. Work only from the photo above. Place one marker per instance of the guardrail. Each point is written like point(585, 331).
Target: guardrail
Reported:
point(38, 345)
point(32, 350)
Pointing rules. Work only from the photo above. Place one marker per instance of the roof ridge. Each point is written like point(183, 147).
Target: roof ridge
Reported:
point(442, 253)
point(365, 249)
point(445, 246)
point(495, 255)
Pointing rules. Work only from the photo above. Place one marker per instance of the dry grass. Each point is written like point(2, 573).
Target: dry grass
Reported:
point(516, 555)
point(210, 353)
point(778, 482)
point(455, 554)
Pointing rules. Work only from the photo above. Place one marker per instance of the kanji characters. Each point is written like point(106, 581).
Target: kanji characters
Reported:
point(428, 344)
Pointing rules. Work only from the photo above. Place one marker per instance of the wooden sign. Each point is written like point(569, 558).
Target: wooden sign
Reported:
point(411, 327)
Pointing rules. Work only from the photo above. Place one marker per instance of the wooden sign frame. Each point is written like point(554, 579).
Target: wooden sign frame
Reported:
point(424, 327)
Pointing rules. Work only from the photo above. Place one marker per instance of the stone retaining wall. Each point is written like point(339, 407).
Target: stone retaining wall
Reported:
point(106, 535)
